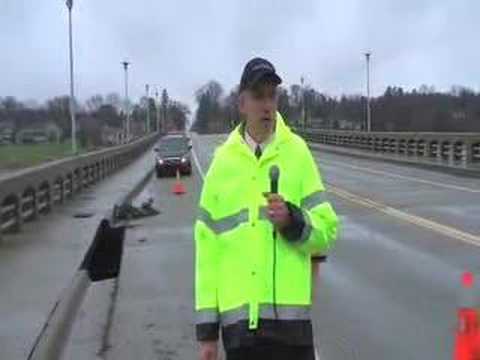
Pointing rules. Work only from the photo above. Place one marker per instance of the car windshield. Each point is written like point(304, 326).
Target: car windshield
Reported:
point(173, 145)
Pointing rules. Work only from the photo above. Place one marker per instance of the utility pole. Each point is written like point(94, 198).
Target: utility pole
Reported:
point(304, 115)
point(164, 114)
point(127, 110)
point(147, 88)
point(72, 88)
point(369, 111)
point(157, 108)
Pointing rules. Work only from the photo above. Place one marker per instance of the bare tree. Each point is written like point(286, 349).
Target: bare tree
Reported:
point(94, 103)
point(115, 100)
point(58, 110)
point(212, 89)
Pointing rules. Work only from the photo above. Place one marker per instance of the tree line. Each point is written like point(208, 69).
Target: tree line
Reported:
point(423, 109)
point(97, 114)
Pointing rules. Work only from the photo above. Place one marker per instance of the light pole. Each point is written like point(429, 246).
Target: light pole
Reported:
point(304, 115)
point(147, 88)
point(127, 110)
point(157, 108)
point(72, 93)
point(165, 125)
point(369, 111)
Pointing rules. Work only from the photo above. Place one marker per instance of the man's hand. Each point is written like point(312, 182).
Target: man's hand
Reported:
point(277, 210)
point(208, 350)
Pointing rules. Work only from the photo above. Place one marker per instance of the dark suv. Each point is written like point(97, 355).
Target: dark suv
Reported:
point(173, 152)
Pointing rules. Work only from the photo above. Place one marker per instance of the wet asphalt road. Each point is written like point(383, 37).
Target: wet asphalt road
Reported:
point(153, 311)
point(391, 288)
point(388, 291)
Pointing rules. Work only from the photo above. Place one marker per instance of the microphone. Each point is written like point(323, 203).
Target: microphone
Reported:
point(274, 175)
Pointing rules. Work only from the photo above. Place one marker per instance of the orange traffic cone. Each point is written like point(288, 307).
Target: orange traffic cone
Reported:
point(178, 187)
point(467, 337)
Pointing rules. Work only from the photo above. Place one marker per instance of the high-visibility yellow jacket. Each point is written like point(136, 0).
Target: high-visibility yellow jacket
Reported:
point(248, 281)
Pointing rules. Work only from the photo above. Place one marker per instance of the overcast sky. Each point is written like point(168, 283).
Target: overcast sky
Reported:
point(182, 44)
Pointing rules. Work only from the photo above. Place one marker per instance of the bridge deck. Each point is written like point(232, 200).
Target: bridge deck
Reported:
point(389, 290)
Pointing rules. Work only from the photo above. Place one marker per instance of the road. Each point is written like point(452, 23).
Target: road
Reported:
point(391, 288)
point(388, 291)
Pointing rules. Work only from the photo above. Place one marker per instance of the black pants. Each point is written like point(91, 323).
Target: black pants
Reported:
point(272, 352)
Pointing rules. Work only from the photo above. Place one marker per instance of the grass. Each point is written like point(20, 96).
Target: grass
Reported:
point(14, 157)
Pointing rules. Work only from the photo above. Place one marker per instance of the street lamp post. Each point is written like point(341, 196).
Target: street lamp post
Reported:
point(165, 125)
point(157, 108)
point(304, 118)
point(127, 110)
point(72, 93)
point(147, 88)
point(369, 111)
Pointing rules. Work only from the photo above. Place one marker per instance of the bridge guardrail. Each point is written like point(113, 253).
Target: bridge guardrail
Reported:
point(455, 149)
point(34, 191)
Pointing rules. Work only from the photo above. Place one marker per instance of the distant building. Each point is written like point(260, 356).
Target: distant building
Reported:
point(459, 115)
point(6, 132)
point(38, 134)
point(344, 124)
point(112, 136)
point(137, 128)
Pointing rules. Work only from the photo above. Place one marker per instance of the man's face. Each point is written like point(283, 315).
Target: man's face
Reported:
point(259, 105)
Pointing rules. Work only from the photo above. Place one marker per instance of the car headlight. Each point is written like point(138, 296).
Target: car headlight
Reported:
point(160, 161)
point(183, 160)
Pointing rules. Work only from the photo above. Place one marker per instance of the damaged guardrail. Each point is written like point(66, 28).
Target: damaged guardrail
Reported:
point(102, 261)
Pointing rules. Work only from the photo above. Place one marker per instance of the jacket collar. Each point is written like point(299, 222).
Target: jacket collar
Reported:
point(282, 134)
point(253, 144)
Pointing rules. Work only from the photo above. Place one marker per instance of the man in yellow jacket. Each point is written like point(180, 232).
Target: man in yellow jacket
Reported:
point(263, 214)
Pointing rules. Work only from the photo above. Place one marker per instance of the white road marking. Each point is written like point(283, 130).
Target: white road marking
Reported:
point(200, 170)
point(412, 219)
point(398, 176)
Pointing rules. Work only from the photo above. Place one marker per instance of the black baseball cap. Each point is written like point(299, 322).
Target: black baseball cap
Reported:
point(256, 70)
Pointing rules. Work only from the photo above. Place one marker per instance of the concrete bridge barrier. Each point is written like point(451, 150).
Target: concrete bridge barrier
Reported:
point(455, 149)
point(35, 191)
